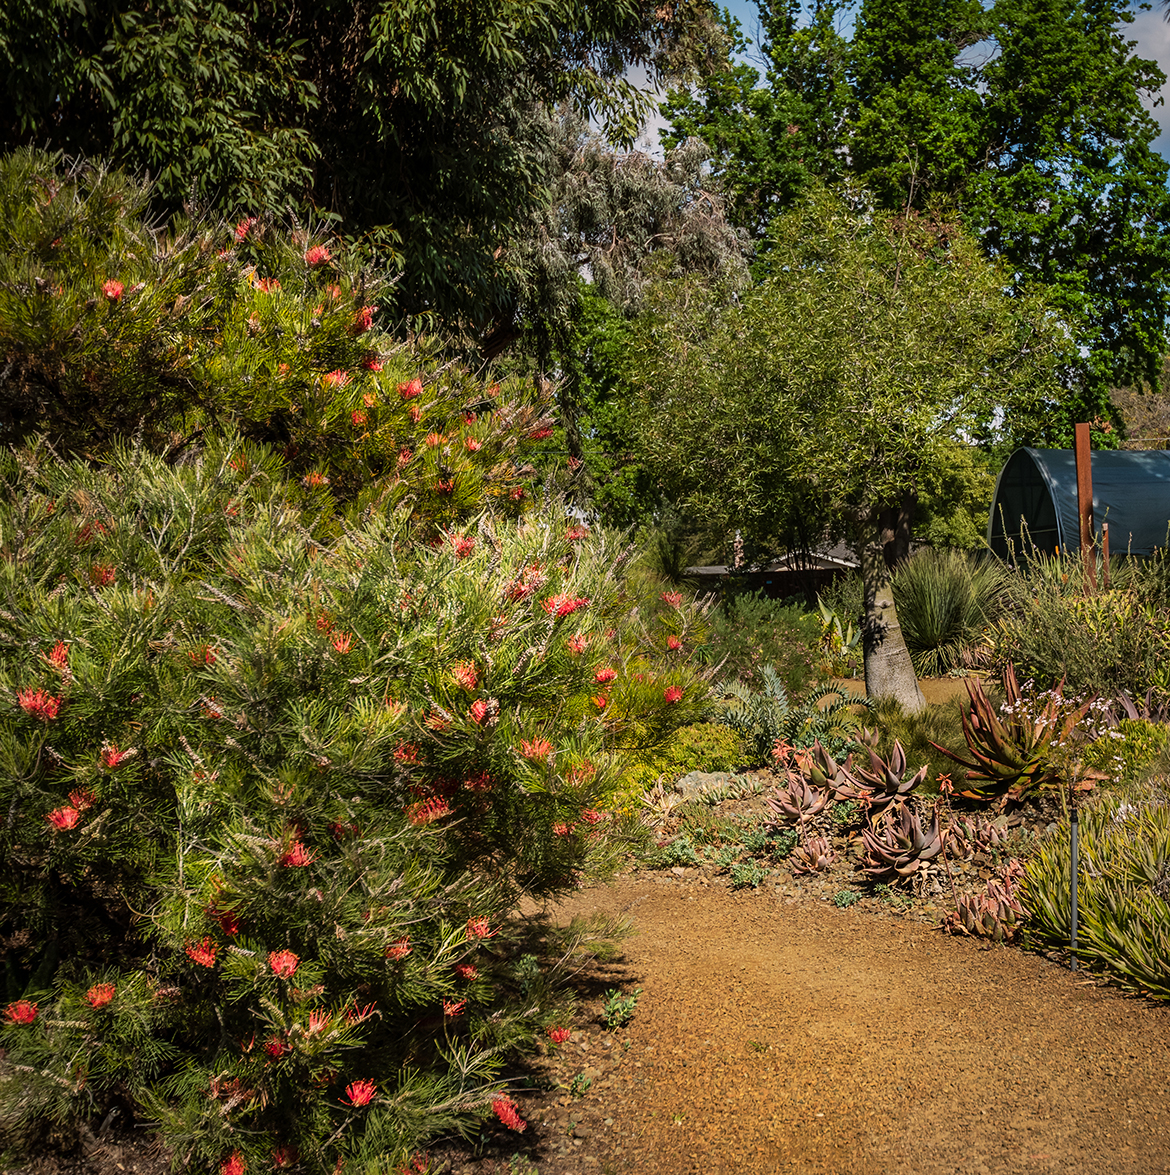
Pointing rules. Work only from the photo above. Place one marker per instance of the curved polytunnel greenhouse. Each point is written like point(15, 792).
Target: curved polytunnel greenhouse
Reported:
point(1035, 503)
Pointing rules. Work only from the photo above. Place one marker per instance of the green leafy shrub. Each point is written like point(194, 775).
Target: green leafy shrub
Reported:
point(255, 759)
point(945, 600)
point(706, 746)
point(1105, 645)
point(1123, 896)
point(1128, 750)
point(919, 733)
point(749, 631)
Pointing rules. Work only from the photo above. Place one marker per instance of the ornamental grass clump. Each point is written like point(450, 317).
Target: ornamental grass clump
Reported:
point(276, 789)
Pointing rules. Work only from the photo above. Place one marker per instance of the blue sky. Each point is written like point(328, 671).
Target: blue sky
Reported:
point(1149, 29)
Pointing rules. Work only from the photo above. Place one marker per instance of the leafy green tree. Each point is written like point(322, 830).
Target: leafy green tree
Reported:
point(839, 386)
point(419, 125)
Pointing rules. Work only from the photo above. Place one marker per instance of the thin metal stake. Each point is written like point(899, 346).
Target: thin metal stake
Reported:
point(1073, 825)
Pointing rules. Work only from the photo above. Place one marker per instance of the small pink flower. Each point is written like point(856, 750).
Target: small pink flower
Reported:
point(576, 533)
point(296, 856)
point(578, 645)
point(360, 1093)
point(20, 1012)
point(454, 1008)
point(63, 818)
point(672, 693)
point(411, 390)
point(673, 643)
point(202, 953)
point(463, 545)
point(399, 948)
point(479, 927)
point(317, 255)
point(672, 598)
point(478, 710)
point(100, 994)
point(112, 290)
point(945, 785)
point(538, 748)
point(557, 1034)
point(342, 642)
point(39, 704)
point(415, 414)
point(283, 963)
point(561, 829)
point(466, 675)
point(592, 816)
point(603, 676)
point(318, 1022)
point(233, 1165)
point(268, 285)
point(466, 971)
point(505, 1110)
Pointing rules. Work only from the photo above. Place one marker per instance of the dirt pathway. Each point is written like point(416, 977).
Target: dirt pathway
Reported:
point(803, 1038)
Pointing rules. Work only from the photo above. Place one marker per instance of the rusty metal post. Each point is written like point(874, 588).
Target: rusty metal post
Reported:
point(1085, 506)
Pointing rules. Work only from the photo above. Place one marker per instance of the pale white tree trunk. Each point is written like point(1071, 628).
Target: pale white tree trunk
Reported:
point(889, 672)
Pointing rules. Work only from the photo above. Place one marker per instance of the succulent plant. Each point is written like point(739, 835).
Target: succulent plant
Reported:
point(898, 845)
point(881, 785)
point(815, 855)
point(1013, 756)
point(797, 801)
point(978, 834)
point(995, 914)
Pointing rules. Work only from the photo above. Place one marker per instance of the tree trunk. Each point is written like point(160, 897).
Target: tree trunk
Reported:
point(888, 670)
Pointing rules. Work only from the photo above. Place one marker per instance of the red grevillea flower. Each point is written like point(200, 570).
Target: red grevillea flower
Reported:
point(600, 701)
point(540, 434)
point(276, 1047)
point(563, 605)
point(268, 285)
point(406, 753)
point(335, 379)
point(479, 927)
point(434, 439)
point(100, 994)
point(112, 757)
point(102, 574)
point(360, 1093)
point(342, 642)
point(359, 418)
point(445, 485)
point(20, 1012)
point(561, 829)
point(39, 704)
point(578, 645)
point(317, 255)
point(673, 643)
point(318, 1022)
point(229, 921)
point(576, 533)
point(466, 674)
point(505, 1110)
point(538, 748)
point(516, 493)
point(314, 480)
point(592, 816)
point(356, 1015)
point(428, 811)
point(296, 856)
point(242, 230)
point(463, 545)
point(60, 655)
point(558, 1034)
point(672, 693)
point(363, 320)
point(454, 1008)
point(283, 963)
point(415, 414)
point(284, 1156)
point(466, 971)
point(411, 390)
point(204, 655)
point(82, 798)
point(472, 445)
point(399, 948)
point(63, 818)
point(478, 710)
point(112, 290)
point(603, 676)
point(202, 953)
point(372, 363)
point(234, 1164)
point(672, 598)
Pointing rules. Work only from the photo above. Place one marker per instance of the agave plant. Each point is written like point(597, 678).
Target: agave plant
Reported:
point(814, 856)
point(1014, 755)
point(899, 846)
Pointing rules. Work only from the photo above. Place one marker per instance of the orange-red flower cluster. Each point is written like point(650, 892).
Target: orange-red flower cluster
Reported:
point(399, 948)
point(202, 953)
point(39, 704)
point(283, 963)
point(100, 994)
point(563, 605)
point(20, 1012)
point(505, 1110)
point(360, 1093)
point(63, 818)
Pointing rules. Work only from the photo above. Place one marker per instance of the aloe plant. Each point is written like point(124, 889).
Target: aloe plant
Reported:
point(899, 845)
point(796, 801)
point(1014, 756)
point(875, 788)
point(814, 856)
point(996, 913)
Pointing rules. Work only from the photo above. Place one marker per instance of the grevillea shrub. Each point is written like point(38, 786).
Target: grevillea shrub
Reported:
point(275, 781)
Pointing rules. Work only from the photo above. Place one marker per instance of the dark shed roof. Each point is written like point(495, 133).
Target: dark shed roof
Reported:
point(1035, 503)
